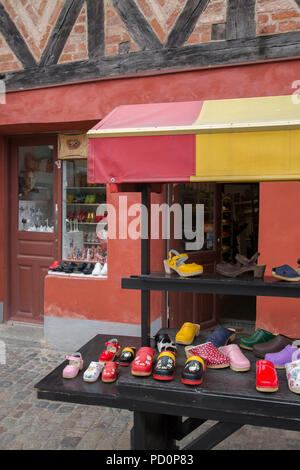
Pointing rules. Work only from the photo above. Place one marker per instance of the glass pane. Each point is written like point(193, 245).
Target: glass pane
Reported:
point(199, 193)
point(84, 215)
point(36, 188)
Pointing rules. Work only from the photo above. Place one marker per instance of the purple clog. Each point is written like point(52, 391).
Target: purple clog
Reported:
point(288, 354)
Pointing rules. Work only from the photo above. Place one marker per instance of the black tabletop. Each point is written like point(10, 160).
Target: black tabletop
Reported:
point(223, 395)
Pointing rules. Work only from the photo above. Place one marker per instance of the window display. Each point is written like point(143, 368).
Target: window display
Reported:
point(84, 215)
point(36, 188)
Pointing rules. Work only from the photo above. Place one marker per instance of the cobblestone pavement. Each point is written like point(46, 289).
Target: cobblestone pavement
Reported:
point(28, 423)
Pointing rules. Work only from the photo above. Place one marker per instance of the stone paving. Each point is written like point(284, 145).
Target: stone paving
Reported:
point(28, 423)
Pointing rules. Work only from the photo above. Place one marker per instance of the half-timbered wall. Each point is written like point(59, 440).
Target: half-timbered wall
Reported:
point(44, 42)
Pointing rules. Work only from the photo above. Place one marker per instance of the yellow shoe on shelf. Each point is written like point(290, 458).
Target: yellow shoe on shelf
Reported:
point(187, 333)
point(176, 262)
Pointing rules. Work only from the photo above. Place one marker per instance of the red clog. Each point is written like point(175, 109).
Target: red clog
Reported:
point(266, 376)
point(112, 350)
point(142, 364)
point(109, 372)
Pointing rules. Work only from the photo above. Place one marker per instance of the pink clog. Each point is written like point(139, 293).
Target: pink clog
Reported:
point(238, 361)
point(74, 366)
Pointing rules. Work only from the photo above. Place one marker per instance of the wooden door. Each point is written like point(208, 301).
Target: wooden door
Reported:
point(195, 307)
point(34, 224)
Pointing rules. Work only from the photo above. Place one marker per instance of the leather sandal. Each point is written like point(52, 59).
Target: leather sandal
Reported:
point(176, 262)
point(243, 265)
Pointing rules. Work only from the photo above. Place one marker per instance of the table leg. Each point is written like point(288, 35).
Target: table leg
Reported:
point(152, 431)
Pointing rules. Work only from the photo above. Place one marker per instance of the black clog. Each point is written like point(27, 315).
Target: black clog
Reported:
point(165, 366)
point(164, 342)
point(194, 371)
point(127, 356)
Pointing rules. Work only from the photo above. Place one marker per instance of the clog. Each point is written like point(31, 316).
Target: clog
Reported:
point(194, 371)
point(259, 336)
point(215, 359)
point(112, 350)
point(93, 372)
point(266, 376)
point(176, 262)
point(164, 342)
point(274, 345)
point(286, 273)
point(293, 376)
point(221, 336)
point(237, 360)
point(187, 333)
point(288, 354)
point(143, 362)
point(74, 366)
point(109, 372)
point(165, 366)
point(127, 356)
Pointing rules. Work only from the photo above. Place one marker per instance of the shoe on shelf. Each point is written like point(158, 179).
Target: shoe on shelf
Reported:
point(214, 357)
point(243, 265)
point(194, 371)
point(143, 362)
point(293, 376)
point(93, 372)
point(104, 270)
point(288, 354)
point(89, 269)
point(187, 333)
point(164, 342)
point(275, 345)
point(221, 336)
point(111, 352)
point(74, 366)
point(259, 336)
point(266, 376)
point(176, 262)
point(165, 366)
point(237, 360)
point(109, 372)
point(53, 265)
point(97, 270)
point(127, 356)
point(287, 273)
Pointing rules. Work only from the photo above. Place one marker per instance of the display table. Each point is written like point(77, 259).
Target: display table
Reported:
point(225, 396)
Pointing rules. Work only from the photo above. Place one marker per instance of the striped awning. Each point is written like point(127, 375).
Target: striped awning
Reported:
point(248, 139)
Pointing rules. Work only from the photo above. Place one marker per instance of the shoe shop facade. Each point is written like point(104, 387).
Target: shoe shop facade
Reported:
point(198, 99)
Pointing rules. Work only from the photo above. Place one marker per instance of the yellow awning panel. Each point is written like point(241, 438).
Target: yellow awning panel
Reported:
point(250, 139)
point(248, 156)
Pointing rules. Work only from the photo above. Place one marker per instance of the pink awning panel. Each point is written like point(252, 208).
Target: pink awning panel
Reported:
point(144, 143)
point(141, 159)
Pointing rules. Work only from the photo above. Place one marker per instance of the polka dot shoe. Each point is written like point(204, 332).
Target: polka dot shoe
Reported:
point(215, 358)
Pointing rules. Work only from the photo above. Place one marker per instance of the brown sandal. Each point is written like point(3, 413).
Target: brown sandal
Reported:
point(243, 265)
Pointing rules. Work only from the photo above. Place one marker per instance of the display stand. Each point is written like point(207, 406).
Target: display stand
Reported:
point(160, 408)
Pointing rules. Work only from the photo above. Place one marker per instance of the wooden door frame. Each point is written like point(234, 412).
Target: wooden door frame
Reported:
point(11, 144)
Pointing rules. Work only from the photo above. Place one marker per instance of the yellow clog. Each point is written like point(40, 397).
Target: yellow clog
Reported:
point(176, 262)
point(187, 333)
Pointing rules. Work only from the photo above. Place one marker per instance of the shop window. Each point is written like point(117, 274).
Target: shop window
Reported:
point(84, 215)
point(35, 167)
point(193, 194)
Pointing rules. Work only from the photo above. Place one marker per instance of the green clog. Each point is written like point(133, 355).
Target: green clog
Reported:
point(259, 336)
